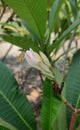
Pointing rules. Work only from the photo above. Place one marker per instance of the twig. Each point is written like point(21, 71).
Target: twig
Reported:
point(74, 111)
point(4, 9)
point(73, 121)
point(67, 103)
point(78, 110)
point(76, 45)
point(11, 16)
point(3, 59)
point(62, 84)
point(41, 76)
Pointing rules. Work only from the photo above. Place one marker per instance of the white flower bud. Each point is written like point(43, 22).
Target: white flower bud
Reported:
point(40, 62)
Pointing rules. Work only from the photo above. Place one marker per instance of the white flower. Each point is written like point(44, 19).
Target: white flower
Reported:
point(40, 62)
point(33, 58)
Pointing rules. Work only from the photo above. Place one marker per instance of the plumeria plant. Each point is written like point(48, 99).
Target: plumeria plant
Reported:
point(60, 108)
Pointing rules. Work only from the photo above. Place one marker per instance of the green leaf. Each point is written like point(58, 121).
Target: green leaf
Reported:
point(3, 128)
point(49, 3)
point(58, 76)
point(51, 106)
point(30, 31)
point(60, 122)
point(56, 45)
point(54, 13)
point(24, 42)
point(78, 102)
point(74, 7)
point(73, 83)
point(78, 107)
point(15, 110)
point(33, 12)
point(6, 124)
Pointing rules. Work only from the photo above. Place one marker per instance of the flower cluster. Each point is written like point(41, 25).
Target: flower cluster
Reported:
point(39, 61)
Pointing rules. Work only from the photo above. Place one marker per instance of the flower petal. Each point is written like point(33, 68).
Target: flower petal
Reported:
point(45, 59)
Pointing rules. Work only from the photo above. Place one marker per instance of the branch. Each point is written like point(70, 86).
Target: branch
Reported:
point(4, 9)
point(3, 59)
point(73, 121)
point(67, 103)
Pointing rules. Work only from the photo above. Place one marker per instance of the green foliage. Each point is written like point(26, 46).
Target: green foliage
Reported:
point(54, 13)
point(24, 42)
point(60, 122)
point(51, 106)
point(3, 128)
point(49, 3)
point(34, 13)
point(15, 110)
point(35, 20)
point(78, 106)
point(56, 45)
point(74, 7)
point(73, 83)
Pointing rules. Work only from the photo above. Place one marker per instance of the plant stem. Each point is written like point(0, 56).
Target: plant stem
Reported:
point(41, 77)
point(73, 121)
point(74, 111)
point(78, 110)
point(67, 104)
